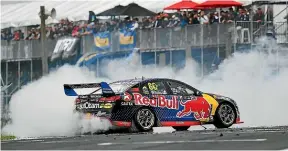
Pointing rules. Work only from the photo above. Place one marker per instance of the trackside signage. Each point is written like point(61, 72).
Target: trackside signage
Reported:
point(65, 47)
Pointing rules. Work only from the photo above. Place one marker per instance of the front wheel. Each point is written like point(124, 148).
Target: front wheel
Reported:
point(144, 119)
point(225, 116)
point(181, 128)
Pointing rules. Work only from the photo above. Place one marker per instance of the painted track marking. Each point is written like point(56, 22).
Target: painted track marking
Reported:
point(173, 142)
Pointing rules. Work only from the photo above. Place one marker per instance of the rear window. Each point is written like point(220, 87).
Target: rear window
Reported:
point(116, 87)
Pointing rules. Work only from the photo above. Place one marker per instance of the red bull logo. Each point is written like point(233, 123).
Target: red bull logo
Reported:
point(157, 101)
point(127, 97)
point(199, 106)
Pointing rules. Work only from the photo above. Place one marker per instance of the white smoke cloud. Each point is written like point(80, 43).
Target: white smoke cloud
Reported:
point(42, 109)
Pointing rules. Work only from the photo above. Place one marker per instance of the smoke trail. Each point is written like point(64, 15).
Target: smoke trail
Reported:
point(42, 109)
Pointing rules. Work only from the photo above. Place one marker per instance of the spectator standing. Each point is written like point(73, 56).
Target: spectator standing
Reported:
point(135, 24)
point(203, 18)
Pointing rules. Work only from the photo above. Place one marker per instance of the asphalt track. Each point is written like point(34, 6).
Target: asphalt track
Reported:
point(273, 138)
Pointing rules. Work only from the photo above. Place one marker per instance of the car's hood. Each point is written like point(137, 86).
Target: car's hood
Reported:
point(220, 97)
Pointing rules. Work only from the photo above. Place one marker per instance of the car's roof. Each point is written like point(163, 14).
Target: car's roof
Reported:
point(139, 80)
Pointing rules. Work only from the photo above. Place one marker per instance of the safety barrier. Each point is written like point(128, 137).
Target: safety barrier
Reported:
point(157, 38)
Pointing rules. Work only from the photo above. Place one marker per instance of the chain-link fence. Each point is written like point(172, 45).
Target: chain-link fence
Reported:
point(25, 49)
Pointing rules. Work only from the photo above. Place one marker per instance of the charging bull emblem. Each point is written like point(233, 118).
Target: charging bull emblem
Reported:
point(199, 106)
point(127, 97)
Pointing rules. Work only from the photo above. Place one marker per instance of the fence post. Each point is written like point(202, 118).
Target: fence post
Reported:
point(155, 38)
point(111, 42)
point(186, 36)
point(140, 38)
point(170, 37)
point(187, 46)
point(31, 68)
point(235, 36)
point(19, 74)
point(171, 57)
point(97, 66)
point(140, 57)
point(155, 58)
point(202, 54)
point(218, 41)
point(252, 32)
point(6, 82)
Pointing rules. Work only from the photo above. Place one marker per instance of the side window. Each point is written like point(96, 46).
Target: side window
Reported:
point(157, 87)
point(145, 89)
point(179, 89)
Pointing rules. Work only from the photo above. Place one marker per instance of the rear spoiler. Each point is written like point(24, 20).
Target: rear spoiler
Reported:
point(106, 89)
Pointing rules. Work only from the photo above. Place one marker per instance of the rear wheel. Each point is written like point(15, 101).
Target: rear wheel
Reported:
point(144, 119)
point(225, 116)
point(181, 128)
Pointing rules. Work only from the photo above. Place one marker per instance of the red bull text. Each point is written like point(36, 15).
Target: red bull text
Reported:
point(158, 101)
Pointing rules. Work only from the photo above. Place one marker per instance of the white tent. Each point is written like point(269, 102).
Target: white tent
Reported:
point(26, 13)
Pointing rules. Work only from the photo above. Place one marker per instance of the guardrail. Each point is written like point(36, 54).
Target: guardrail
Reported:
point(159, 38)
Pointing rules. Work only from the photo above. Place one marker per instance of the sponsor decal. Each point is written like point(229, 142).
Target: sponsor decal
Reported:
point(127, 96)
point(199, 106)
point(99, 113)
point(126, 103)
point(83, 96)
point(95, 96)
point(157, 101)
point(179, 122)
point(107, 90)
point(88, 105)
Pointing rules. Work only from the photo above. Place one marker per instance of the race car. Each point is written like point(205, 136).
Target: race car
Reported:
point(140, 104)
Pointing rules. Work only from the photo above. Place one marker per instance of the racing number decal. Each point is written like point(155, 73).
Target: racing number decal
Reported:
point(153, 86)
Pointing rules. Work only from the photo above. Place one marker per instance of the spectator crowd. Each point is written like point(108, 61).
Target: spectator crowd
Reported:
point(162, 20)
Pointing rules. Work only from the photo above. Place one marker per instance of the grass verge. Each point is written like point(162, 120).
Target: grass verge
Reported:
point(7, 137)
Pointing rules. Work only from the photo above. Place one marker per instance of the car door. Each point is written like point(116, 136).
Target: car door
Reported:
point(160, 99)
point(150, 92)
point(192, 106)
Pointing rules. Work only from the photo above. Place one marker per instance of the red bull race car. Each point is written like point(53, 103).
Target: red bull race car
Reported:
point(138, 105)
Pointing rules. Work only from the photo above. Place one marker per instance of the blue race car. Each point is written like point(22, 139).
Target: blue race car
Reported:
point(141, 104)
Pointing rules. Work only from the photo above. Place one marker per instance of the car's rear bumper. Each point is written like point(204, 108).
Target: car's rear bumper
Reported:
point(113, 123)
point(118, 123)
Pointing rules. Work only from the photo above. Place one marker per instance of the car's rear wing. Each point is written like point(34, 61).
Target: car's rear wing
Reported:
point(106, 89)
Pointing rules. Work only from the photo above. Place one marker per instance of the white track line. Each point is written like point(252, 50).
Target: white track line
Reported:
point(173, 142)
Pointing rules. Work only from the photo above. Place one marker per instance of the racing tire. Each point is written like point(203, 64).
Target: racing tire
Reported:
point(181, 128)
point(225, 116)
point(144, 120)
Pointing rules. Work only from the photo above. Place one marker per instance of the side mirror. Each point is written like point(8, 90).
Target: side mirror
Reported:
point(198, 93)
